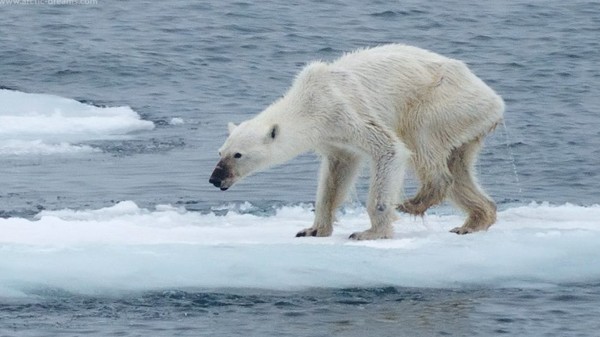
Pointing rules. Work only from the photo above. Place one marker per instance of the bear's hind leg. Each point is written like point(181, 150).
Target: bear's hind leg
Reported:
point(338, 172)
point(431, 193)
point(466, 192)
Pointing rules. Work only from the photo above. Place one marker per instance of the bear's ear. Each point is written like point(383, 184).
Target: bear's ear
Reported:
point(274, 132)
point(231, 127)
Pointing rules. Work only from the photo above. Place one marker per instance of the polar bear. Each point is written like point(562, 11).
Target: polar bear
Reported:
point(398, 106)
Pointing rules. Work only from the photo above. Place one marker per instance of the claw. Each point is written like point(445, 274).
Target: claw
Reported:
point(372, 235)
point(461, 230)
point(307, 232)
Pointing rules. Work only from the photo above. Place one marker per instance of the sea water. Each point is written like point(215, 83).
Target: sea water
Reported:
point(111, 114)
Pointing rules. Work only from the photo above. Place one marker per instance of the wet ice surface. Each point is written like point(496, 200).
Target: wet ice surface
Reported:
point(126, 247)
point(129, 271)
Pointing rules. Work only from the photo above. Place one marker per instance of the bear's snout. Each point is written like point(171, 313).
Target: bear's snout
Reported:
point(217, 177)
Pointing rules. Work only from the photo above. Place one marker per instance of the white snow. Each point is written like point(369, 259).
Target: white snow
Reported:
point(46, 124)
point(125, 247)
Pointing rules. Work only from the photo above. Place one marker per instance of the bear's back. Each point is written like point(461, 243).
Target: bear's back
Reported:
point(397, 69)
point(396, 55)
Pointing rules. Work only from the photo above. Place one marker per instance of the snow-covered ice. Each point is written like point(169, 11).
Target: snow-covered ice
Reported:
point(125, 247)
point(34, 124)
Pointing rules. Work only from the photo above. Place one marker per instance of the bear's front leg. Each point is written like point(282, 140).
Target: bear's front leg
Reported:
point(338, 172)
point(382, 215)
point(386, 184)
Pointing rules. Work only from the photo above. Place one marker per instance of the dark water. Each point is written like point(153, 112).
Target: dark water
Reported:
point(212, 62)
point(342, 312)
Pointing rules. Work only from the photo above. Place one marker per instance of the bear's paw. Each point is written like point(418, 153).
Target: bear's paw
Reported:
point(314, 231)
point(371, 234)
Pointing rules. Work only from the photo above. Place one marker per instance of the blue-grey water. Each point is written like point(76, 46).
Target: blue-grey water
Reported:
point(211, 62)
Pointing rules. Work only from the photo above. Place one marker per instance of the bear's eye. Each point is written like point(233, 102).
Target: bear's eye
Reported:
point(237, 155)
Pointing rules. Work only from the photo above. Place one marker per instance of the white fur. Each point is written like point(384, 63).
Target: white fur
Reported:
point(393, 104)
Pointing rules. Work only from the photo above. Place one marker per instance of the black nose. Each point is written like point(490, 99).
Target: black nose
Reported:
point(215, 181)
point(217, 176)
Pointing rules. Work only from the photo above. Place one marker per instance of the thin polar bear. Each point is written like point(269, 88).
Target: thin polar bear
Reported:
point(395, 105)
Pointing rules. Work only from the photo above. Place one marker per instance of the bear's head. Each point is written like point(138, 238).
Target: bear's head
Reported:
point(251, 147)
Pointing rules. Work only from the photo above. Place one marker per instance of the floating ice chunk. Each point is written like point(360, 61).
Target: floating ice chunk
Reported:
point(177, 121)
point(126, 247)
point(38, 147)
point(48, 124)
